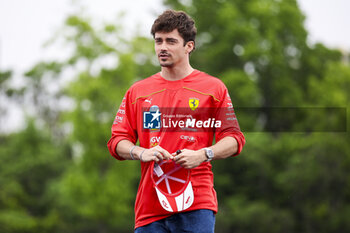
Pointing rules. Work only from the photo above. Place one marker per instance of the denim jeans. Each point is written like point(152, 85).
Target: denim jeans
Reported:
point(197, 221)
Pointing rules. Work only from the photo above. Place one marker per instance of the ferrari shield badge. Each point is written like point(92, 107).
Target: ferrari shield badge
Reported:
point(193, 103)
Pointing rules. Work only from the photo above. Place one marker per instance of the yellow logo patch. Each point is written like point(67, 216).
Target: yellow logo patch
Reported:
point(193, 103)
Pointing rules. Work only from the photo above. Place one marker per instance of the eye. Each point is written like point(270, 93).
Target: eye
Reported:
point(158, 41)
point(172, 41)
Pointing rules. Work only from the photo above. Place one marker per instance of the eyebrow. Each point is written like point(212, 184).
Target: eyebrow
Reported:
point(171, 39)
point(168, 39)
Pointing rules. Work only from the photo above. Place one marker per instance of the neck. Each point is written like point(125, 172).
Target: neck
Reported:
point(176, 73)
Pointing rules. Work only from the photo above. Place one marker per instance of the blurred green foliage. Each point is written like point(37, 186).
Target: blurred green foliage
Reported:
point(56, 175)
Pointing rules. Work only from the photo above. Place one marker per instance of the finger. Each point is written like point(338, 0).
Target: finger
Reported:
point(180, 160)
point(151, 157)
point(183, 164)
point(155, 159)
point(176, 158)
point(165, 153)
point(157, 156)
point(176, 153)
point(186, 164)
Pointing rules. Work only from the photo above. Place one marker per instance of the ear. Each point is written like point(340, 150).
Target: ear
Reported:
point(189, 46)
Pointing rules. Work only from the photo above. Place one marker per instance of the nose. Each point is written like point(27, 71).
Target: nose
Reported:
point(163, 47)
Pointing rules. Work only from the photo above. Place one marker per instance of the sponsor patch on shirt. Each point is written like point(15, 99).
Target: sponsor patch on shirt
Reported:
point(152, 118)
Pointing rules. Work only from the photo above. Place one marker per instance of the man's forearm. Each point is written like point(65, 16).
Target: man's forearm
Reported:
point(225, 148)
point(123, 150)
point(129, 151)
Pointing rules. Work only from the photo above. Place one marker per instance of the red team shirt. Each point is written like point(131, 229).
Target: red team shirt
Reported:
point(197, 93)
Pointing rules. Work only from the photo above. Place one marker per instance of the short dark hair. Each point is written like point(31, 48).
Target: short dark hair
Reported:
point(170, 20)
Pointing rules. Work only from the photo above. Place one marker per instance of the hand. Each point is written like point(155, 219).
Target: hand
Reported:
point(190, 158)
point(156, 154)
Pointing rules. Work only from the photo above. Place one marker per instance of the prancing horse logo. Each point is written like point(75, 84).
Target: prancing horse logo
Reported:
point(193, 103)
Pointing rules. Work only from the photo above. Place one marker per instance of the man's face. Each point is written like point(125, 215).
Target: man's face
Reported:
point(170, 49)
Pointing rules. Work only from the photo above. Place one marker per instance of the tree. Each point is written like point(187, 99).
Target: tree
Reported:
point(94, 193)
point(56, 175)
point(30, 161)
point(99, 191)
point(284, 79)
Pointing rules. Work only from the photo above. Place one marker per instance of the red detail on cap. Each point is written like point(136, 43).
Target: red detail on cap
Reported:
point(164, 204)
point(188, 199)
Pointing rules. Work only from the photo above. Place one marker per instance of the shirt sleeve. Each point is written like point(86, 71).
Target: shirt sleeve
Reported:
point(124, 125)
point(229, 123)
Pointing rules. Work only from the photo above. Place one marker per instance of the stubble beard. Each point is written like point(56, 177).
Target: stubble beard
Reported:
point(166, 63)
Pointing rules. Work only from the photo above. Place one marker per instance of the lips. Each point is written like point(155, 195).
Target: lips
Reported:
point(164, 55)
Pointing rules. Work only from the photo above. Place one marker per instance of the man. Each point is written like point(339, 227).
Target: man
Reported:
point(175, 115)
